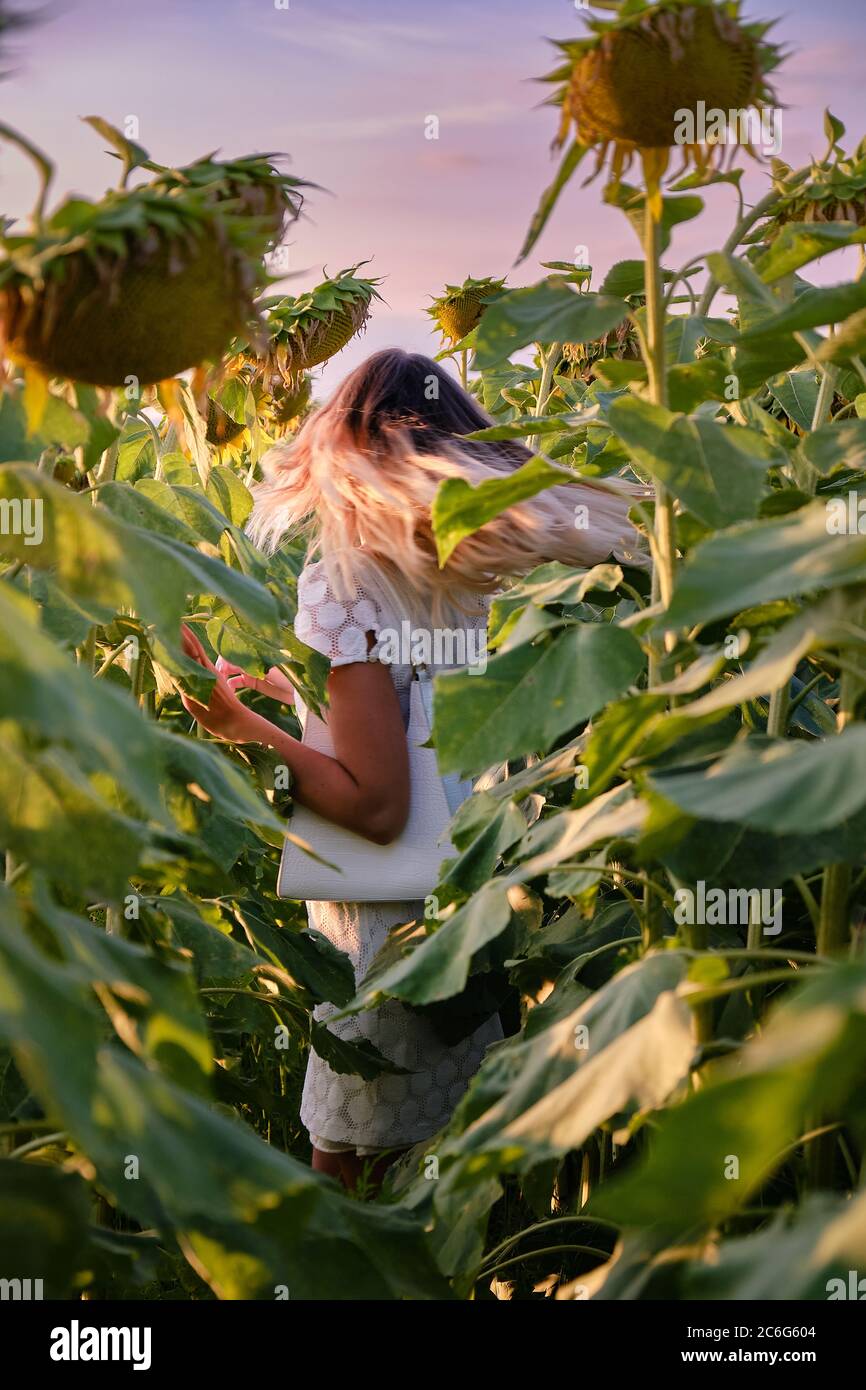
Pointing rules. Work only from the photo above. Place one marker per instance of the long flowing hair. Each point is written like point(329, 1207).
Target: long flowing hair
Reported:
point(359, 480)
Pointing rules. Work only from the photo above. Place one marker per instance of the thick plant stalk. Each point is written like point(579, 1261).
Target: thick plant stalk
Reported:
point(777, 719)
point(780, 701)
point(834, 927)
point(550, 360)
point(665, 554)
point(745, 225)
point(107, 466)
point(825, 398)
point(663, 525)
point(834, 923)
point(697, 938)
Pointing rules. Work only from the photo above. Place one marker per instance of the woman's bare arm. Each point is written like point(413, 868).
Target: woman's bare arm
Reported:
point(365, 786)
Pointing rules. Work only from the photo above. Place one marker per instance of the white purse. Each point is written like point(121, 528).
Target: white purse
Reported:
point(364, 872)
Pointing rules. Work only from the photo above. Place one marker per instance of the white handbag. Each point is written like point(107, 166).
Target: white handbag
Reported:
point(406, 869)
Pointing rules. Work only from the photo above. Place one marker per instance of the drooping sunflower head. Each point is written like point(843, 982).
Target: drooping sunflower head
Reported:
point(460, 309)
point(138, 285)
point(221, 428)
point(832, 189)
point(621, 343)
point(304, 331)
point(281, 408)
point(650, 80)
point(252, 183)
point(146, 281)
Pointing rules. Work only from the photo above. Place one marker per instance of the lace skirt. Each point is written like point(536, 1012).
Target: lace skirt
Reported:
point(392, 1111)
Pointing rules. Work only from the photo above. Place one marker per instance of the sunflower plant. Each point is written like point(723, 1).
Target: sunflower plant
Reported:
point(303, 331)
point(459, 310)
point(138, 285)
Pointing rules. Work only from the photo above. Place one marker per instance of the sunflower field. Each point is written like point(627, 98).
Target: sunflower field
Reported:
point(663, 891)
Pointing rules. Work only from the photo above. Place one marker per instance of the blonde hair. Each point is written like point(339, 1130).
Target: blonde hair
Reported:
point(360, 477)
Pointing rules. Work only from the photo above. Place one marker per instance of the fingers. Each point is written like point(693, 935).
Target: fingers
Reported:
point(228, 668)
point(235, 677)
point(193, 647)
point(194, 707)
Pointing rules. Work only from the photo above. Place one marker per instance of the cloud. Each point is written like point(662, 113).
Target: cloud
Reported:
point(442, 160)
point(369, 127)
point(333, 34)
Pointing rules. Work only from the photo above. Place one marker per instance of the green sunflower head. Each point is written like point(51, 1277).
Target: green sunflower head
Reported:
point(303, 331)
point(460, 309)
point(281, 408)
point(831, 189)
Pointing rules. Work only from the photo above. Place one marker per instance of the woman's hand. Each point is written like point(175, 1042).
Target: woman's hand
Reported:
point(224, 715)
point(274, 684)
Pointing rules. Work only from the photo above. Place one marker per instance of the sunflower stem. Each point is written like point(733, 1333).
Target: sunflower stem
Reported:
point(744, 225)
point(107, 466)
point(663, 526)
point(780, 700)
point(777, 719)
point(549, 362)
point(834, 924)
point(663, 549)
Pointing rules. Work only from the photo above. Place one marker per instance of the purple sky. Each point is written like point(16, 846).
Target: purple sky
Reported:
point(345, 88)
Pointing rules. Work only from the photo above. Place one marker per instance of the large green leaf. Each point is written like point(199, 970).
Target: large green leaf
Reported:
point(840, 445)
point(97, 554)
point(806, 1254)
point(612, 815)
point(54, 819)
point(438, 967)
point(47, 693)
point(351, 1057)
point(170, 1033)
point(566, 1061)
point(531, 695)
point(822, 624)
point(44, 1219)
point(798, 243)
point(788, 787)
point(548, 312)
point(252, 1220)
point(811, 309)
point(213, 773)
point(459, 509)
point(639, 1070)
point(524, 425)
point(142, 506)
point(502, 826)
point(758, 562)
point(797, 394)
point(716, 471)
point(809, 1057)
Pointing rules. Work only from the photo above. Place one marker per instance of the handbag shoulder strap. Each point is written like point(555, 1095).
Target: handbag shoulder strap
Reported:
point(455, 788)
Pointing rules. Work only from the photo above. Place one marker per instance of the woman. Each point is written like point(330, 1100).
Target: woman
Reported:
point(359, 481)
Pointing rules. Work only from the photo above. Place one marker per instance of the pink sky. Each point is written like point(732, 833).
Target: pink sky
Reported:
point(346, 89)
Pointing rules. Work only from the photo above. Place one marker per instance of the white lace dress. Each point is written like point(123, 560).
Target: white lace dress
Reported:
point(343, 1111)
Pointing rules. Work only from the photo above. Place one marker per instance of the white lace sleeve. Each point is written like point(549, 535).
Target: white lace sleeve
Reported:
point(333, 626)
